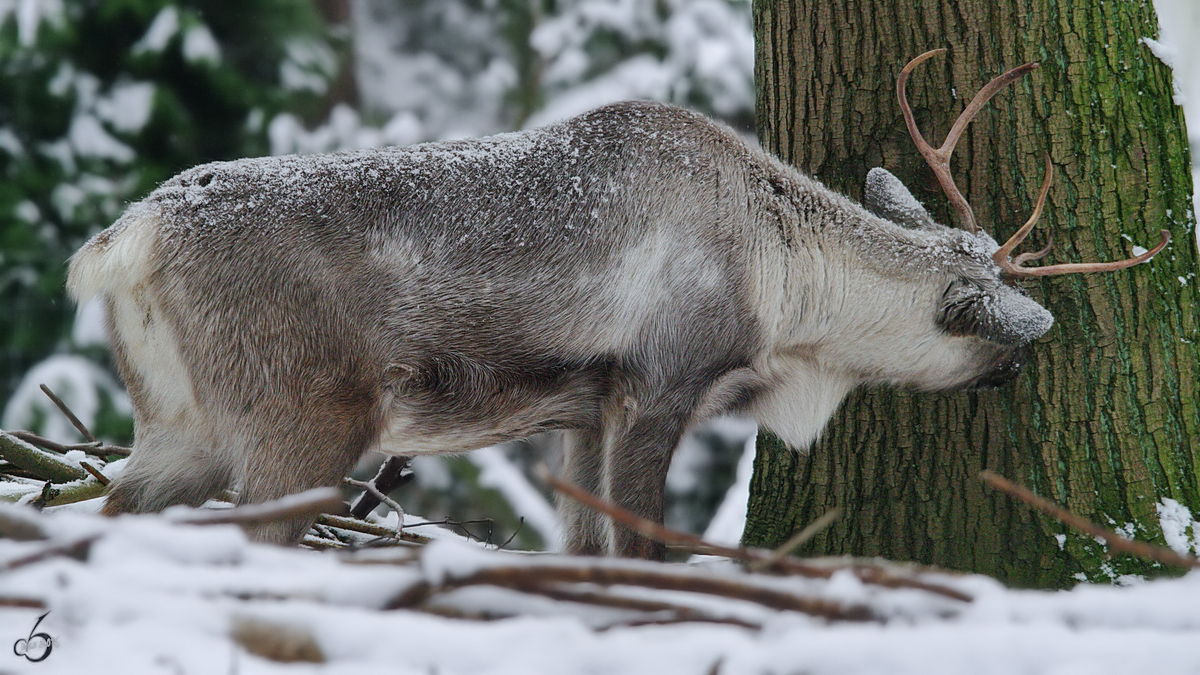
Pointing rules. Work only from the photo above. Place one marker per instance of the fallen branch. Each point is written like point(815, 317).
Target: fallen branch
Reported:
point(364, 527)
point(307, 504)
point(1115, 541)
point(533, 578)
point(22, 603)
point(101, 478)
point(98, 448)
point(678, 613)
point(76, 548)
point(44, 465)
point(75, 491)
point(787, 564)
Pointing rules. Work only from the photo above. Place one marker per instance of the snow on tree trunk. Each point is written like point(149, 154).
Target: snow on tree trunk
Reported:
point(1106, 416)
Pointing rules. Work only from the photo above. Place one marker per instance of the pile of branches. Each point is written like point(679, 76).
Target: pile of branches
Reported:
point(641, 592)
point(41, 472)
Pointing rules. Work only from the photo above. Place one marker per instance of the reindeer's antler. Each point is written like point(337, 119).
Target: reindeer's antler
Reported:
point(939, 160)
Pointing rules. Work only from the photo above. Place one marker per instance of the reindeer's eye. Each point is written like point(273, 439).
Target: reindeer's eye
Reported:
point(1003, 314)
point(959, 312)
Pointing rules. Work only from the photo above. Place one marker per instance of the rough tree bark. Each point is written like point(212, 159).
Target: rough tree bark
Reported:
point(1106, 417)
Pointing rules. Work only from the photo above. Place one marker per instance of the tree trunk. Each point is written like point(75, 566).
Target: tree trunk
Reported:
point(1105, 417)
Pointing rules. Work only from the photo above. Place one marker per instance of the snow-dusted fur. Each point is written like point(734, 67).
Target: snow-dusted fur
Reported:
point(620, 276)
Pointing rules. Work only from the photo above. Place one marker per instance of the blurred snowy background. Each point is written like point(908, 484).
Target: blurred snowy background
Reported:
point(101, 101)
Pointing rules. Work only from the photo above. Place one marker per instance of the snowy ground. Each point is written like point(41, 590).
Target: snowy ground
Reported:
point(159, 597)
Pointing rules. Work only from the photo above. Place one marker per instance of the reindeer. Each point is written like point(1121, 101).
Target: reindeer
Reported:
point(620, 276)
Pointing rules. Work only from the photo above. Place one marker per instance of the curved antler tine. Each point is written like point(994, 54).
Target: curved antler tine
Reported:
point(989, 90)
point(1026, 257)
point(902, 80)
point(1001, 256)
point(1079, 268)
point(937, 159)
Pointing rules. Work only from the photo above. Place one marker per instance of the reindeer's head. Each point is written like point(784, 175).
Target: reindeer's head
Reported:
point(981, 323)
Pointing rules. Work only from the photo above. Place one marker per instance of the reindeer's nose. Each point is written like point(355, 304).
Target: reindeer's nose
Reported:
point(1015, 319)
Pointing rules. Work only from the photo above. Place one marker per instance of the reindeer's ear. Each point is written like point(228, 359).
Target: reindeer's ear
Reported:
point(886, 197)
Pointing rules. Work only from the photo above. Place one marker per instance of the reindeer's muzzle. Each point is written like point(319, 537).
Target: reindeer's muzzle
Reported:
point(1005, 370)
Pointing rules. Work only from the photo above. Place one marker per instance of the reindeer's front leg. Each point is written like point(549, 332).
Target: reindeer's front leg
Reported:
point(586, 531)
point(637, 454)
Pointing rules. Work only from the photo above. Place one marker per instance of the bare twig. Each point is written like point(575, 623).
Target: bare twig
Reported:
point(652, 530)
point(1115, 541)
point(95, 473)
point(23, 603)
point(364, 527)
point(391, 475)
point(70, 415)
point(461, 525)
point(322, 544)
point(76, 548)
point(520, 524)
point(98, 448)
point(796, 539)
point(636, 623)
point(678, 613)
point(307, 504)
point(369, 488)
point(530, 578)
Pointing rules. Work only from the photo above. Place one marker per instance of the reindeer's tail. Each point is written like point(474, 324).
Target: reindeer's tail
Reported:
point(118, 259)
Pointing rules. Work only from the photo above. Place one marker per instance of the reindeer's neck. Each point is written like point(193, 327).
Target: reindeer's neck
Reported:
point(801, 398)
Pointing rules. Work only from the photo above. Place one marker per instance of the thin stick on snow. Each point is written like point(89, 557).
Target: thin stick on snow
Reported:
point(529, 578)
point(309, 503)
point(1115, 541)
point(368, 487)
point(70, 415)
point(679, 613)
point(797, 539)
point(23, 603)
point(95, 473)
point(652, 530)
point(75, 548)
point(364, 527)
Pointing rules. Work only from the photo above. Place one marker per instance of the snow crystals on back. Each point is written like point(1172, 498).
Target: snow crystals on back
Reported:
point(295, 182)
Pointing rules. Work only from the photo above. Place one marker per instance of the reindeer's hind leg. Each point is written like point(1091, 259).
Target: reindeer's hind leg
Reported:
point(314, 449)
point(168, 467)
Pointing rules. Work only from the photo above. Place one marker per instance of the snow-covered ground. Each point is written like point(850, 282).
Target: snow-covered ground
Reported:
point(158, 597)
